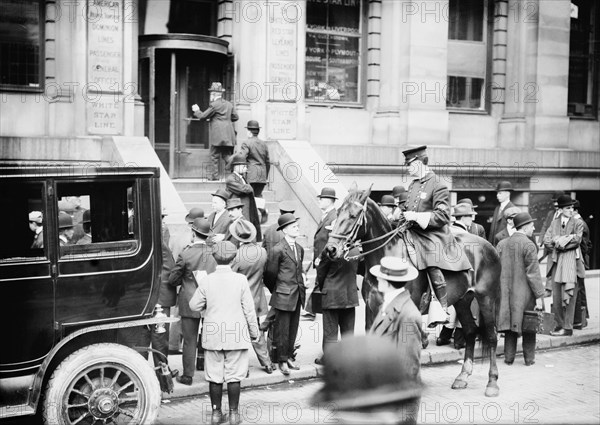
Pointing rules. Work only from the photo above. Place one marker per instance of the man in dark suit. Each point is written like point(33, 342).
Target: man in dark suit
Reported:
point(508, 230)
point(327, 200)
point(474, 228)
point(337, 282)
point(272, 236)
point(550, 217)
point(195, 257)
point(257, 155)
point(503, 190)
point(283, 277)
point(219, 219)
point(236, 184)
point(581, 307)
point(220, 115)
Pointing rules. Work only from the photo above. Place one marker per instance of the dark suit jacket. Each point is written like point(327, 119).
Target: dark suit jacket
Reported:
point(322, 234)
point(498, 222)
point(194, 257)
point(167, 295)
point(236, 186)
point(477, 229)
point(257, 155)
point(401, 322)
point(220, 115)
point(271, 237)
point(283, 276)
point(221, 225)
point(337, 280)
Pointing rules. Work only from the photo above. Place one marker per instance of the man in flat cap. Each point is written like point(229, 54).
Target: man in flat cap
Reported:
point(428, 208)
point(237, 185)
point(508, 230)
point(503, 190)
point(257, 154)
point(220, 116)
point(283, 277)
point(37, 227)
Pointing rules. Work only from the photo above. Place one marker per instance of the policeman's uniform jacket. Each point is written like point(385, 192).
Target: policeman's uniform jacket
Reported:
point(283, 276)
point(220, 115)
point(237, 186)
point(257, 154)
point(434, 244)
point(322, 235)
point(197, 256)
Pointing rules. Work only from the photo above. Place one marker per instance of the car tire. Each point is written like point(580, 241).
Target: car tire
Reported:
point(107, 383)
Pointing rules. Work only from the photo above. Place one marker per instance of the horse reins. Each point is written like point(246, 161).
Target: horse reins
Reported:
point(362, 219)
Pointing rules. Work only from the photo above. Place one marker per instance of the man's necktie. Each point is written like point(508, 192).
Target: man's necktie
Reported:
point(294, 252)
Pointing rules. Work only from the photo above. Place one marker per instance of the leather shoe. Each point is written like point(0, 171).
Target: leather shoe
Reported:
point(217, 417)
point(508, 362)
point(185, 380)
point(234, 417)
point(442, 341)
point(319, 361)
point(291, 365)
point(562, 332)
point(460, 345)
point(174, 373)
point(269, 369)
point(529, 363)
point(578, 326)
point(283, 367)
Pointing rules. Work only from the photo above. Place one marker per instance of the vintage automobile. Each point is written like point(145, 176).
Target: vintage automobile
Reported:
point(79, 298)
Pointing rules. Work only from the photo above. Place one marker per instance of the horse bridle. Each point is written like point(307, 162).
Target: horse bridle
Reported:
point(349, 241)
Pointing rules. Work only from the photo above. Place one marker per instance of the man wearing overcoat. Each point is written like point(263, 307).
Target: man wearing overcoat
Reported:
point(236, 184)
point(221, 135)
point(503, 190)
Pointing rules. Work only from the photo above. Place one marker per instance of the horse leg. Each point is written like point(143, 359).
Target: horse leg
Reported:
point(463, 312)
point(490, 342)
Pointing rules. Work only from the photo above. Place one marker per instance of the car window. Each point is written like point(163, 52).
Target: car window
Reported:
point(22, 214)
point(96, 219)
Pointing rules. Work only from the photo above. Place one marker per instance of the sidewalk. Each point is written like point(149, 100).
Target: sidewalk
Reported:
point(309, 336)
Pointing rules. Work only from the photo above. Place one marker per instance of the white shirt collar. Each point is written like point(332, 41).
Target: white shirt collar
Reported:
point(388, 297)
point(39, 230)
point(504, 204)
point(290, 241)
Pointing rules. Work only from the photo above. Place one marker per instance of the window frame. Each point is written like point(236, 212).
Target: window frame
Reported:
point(593, 68)
point(361, 86)
point(487, 44)
point(41, 56)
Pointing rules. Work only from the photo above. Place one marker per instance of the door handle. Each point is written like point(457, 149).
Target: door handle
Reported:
point(183, 152)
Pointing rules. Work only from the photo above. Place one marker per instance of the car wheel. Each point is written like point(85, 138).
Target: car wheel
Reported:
point(102, 383)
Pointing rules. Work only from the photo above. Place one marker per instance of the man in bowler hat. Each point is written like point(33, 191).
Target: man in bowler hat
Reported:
point(220, 115)
point(237, 185)
point(257, 155)
point(283, 277)
point(503, 190)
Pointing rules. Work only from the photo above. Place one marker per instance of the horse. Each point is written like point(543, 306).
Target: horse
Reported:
point(360, 223)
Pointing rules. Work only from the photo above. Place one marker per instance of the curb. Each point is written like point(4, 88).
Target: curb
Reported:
point(429, 357)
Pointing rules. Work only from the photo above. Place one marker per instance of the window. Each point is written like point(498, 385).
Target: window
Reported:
point(333, 46)
point(21, 44)
point(468, 54)
point(583, 56)
point(22, 217)
point(193, 17)
point(96, 219)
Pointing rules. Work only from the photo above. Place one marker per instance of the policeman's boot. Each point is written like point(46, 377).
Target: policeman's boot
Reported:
point(439, 286)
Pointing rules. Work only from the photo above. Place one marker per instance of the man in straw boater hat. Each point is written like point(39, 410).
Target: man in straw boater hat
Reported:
point(225, 302)
point(367, 382)
point(250, 261)
point(221, 134)
point(427, 208)
point(195, 257)
point(521, 288)
point(236, 184)
point(257, 154)
point(283, 277)
point(563, 238)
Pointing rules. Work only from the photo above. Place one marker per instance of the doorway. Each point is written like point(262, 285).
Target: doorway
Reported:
point(176, 72)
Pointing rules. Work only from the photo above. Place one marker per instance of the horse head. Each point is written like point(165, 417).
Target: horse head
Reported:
point(347, 228)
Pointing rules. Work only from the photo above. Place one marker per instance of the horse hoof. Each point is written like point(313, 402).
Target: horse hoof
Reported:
point(492, 391)
point(459, 384)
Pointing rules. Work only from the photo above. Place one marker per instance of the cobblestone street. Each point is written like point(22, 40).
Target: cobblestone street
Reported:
point(562, 387)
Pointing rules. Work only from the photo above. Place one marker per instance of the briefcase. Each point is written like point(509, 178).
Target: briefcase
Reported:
point(316, 300)
point(538, 322)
